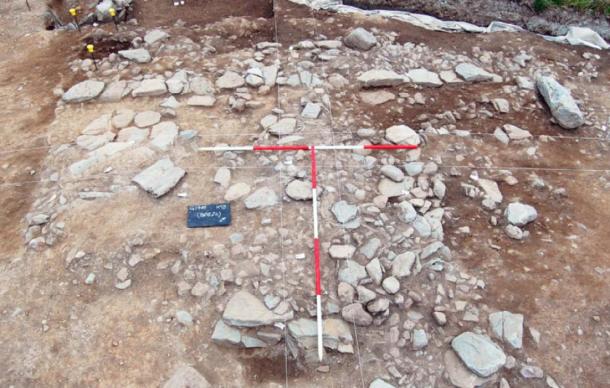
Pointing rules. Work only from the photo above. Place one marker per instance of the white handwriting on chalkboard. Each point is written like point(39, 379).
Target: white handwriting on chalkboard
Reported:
point(208, 214)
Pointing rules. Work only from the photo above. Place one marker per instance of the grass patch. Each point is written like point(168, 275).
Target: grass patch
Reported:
point(596, 5)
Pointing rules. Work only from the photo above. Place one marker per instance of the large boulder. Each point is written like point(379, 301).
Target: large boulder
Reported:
point(83, 91)
point(360, 39)
point(559, 99)
point(479, 353)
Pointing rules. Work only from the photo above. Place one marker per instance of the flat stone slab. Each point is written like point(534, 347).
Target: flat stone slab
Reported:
point(402, 134)
point(230, 80)
point(139, 55)
point(261, 198)
point(299, 190)
point(146, 119)
point(154, 36)
point(83, 91)
point(150, 87)
point(508, 327)
point(379, 78)
point(164, 134)
point(283, 127)
point(203, 101)
point(479, 353)
point(376, 97)
point(472, 73)
point(424, 77)
point(246, 310)
point(159, 178)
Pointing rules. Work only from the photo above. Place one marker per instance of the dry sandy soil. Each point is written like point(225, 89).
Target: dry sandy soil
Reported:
point(57, 331)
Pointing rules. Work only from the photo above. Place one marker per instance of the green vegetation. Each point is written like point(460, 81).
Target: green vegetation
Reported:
point(596, 5)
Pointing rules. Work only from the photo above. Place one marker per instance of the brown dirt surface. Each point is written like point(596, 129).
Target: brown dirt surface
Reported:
point(58, 331)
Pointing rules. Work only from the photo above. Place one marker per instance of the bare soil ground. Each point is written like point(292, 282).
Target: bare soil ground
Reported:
point(57, 331)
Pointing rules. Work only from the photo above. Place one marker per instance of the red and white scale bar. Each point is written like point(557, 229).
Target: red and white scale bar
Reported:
point(314, 189)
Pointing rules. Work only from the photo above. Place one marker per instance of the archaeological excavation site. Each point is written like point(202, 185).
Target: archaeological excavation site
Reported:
point(305, 193)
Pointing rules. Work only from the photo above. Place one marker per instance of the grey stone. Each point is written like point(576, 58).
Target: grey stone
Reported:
point(424, 77)
point(139, 55)
point(419, 339)
point(407, 214)
point(92, 142)
point(414, 168)
point(261, 198)
point(379, 383)
point(559, 99)
point(459, 375)
point(375, 271)
point(201, 86)
point(501, 105)
point(204, 101)
point(246, 310)
point(341, 252)
point(252, 342)
point(520, 214)
point(508, 327)
point(351, 272)
point(402, 134)
point(83, 91)
point(389, 188)
point(370, 248)
point(391, 285)
point(150, 87)
point(479, 353)
point(378, 306)
point(516, 133)
point(514, 232)
point(336, 334)
point(186, 377)
point(159, 178)
point(472, 73)
point(163, 135)
point(184, 318)
point(237, 191)
point(360, 39)
point(344, 212)
point(146, 119)
point(122, 119)
point(132, 134)
point(392, 172)
point(155, 36)
point(376, 97)
point(402, 264)
point(230, 80)
point(491, 189)
point(311, 111)
point(285, 126)
point(223, 177)
point(365, 295)
point(299, 190)
point(379, 78)
point(226, 334)
point(177, 83)
point(170, 103)
point(531, 372)
point(114, 92)
point(355, 313)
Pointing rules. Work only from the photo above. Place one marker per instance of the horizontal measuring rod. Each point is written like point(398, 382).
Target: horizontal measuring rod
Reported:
point(356, 147)
point(314, 190)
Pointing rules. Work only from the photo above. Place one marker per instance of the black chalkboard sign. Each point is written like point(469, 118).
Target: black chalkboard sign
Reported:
point(203, 216)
